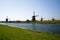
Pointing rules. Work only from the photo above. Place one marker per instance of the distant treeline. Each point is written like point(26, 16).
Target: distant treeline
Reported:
point(39, 22)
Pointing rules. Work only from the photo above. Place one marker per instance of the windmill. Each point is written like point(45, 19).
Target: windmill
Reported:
point(53, 19)
point(41, 18)
point(34, 17)
point(7, 19)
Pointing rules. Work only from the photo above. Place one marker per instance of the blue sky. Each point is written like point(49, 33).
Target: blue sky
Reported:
point(23, 9)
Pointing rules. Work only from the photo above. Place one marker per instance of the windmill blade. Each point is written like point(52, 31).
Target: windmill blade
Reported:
point(6, 16)
point(36, 15)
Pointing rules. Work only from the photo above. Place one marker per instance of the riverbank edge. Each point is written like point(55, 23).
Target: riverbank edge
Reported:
point(35, 33)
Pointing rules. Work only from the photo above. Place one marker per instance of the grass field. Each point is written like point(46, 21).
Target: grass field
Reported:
point(12, 33)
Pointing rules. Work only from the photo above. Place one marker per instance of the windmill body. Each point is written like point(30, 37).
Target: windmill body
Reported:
point(7, 19)
point(34, 17)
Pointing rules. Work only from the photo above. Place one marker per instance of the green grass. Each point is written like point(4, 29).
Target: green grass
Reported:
point(12, 33)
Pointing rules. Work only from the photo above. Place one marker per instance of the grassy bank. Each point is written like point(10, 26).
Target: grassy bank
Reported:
point(12, 33)
point(46, 22)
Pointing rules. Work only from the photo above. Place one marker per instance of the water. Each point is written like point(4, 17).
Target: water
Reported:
point(50, 28)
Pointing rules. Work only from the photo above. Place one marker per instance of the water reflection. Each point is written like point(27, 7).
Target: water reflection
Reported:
point(34, 27)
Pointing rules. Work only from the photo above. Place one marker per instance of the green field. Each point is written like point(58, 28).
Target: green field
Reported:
point(12, 33)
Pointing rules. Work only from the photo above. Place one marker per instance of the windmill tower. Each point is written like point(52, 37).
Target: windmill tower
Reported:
point(34, 17)
point(7, 19)
point(53, 19)
point(41, 18)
